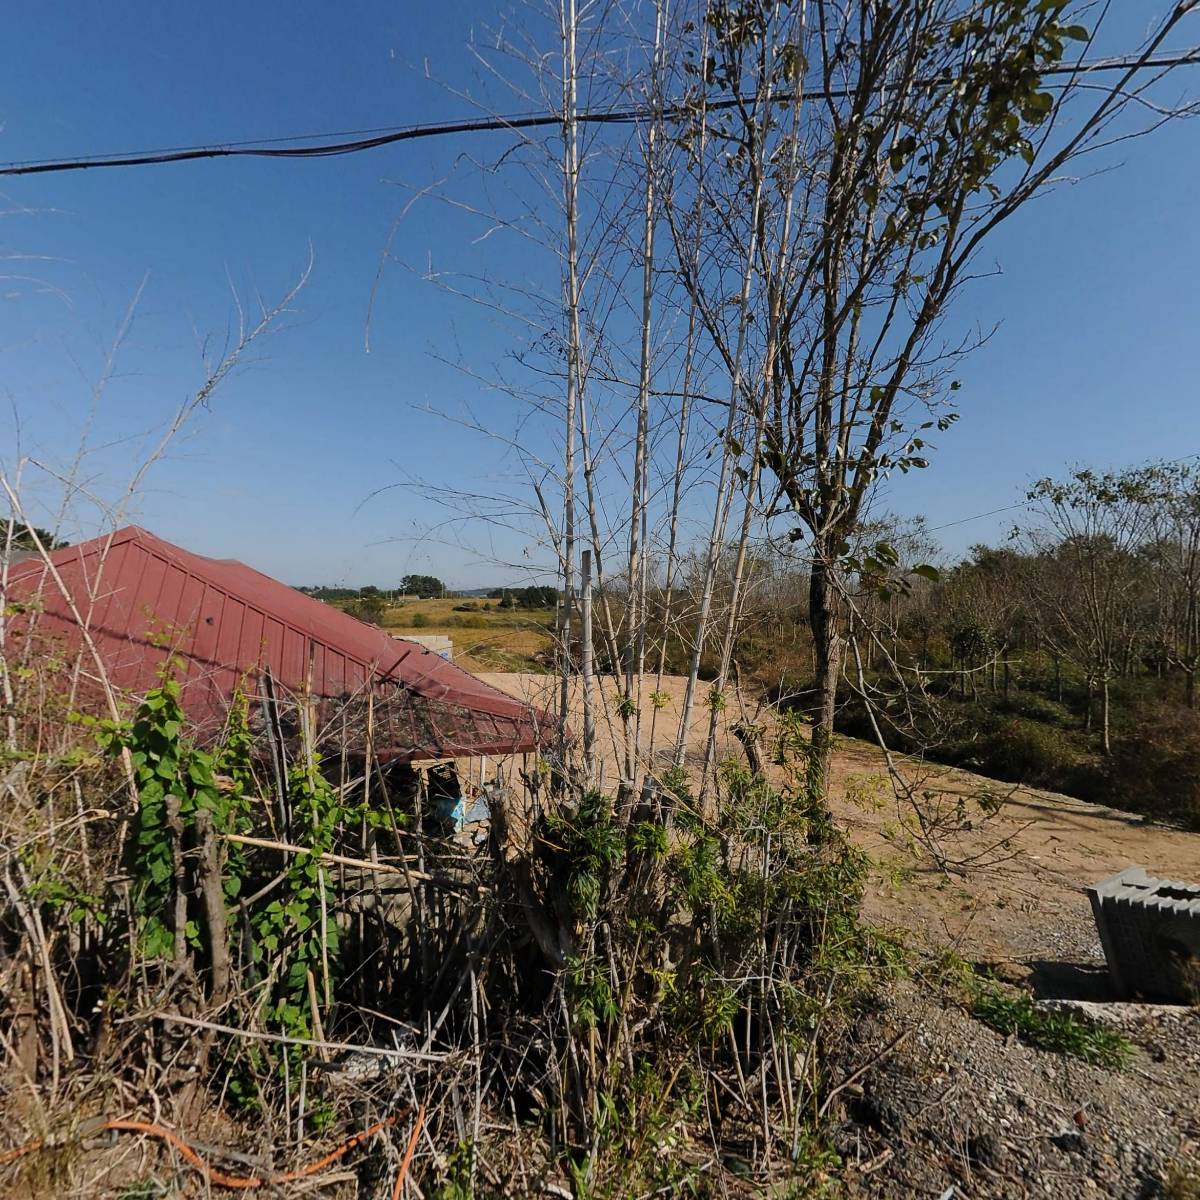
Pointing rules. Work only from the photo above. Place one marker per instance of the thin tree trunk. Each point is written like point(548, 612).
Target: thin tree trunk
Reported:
point(638, 578)
point(574, 351)
point(725, 483)
point(826, 620)
point(212, 895)
point(585, 666)
point(673, 539)
point(174, 822)
point(734, 621)
point(721, 506)
point(684, 408)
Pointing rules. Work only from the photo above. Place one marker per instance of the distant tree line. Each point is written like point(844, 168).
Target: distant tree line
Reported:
point(424, 587)
point(538, 596)
point(332, 594)
point(370, 603)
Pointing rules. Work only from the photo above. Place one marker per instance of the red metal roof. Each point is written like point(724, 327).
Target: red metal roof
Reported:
point(142, 598)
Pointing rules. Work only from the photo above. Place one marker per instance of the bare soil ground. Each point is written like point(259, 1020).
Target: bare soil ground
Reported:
point(955, 1105)
point(1030, 907)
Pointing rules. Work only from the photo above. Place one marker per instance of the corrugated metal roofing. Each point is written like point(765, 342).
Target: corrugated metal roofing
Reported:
point(142, 598)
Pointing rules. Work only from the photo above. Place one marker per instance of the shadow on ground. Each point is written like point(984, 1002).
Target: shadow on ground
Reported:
point(1070, 981)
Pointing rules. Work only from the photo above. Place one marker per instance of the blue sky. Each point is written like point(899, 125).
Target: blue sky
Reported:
point(1093, 360)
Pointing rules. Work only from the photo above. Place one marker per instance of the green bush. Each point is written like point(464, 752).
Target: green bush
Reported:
point(471, 621)
point(1023, 751)
point(1036, 708)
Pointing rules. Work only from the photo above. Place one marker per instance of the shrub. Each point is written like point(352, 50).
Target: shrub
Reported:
point(370, 607)
point(1024, 751)
point(470, 621)
point(1155, 765)
point(1036, 708)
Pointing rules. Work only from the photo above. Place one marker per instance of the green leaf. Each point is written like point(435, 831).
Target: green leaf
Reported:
point(926, 571)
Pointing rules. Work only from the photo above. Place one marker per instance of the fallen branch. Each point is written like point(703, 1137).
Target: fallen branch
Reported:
point(854, 1076)
point(377, 868)
point(283, 1039)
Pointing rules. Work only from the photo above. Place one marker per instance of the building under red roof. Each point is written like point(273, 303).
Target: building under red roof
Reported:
point(141, 598)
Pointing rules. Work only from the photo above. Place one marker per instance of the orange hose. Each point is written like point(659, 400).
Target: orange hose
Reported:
point(11, 1156)
point(233, 1182)
point(243, 1183)
point(412, 1145)
point(333, 1155)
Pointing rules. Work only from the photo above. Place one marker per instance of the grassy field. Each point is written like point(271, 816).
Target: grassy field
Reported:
point(485, 638)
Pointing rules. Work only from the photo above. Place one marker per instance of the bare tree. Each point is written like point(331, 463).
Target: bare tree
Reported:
point(1173, 556)
point(1091, 527)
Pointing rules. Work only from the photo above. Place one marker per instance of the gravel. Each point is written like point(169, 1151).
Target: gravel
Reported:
point(961, 1106)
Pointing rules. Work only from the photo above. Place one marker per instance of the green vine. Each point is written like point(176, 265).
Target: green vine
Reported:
point(166, 764)
point(294, 931)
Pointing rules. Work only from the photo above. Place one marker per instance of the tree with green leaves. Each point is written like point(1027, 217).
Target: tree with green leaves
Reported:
point(369, 605)
point(1172, 556)
point(15, 535)
point(537, 596)
point(424, 587)
point(884, 144)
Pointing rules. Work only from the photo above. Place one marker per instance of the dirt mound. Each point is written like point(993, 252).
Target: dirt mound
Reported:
point(956, 1105)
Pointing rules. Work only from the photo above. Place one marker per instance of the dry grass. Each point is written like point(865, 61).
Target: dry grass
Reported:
point(492, 639)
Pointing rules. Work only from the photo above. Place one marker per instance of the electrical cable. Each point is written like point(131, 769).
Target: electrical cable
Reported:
point(358, 141)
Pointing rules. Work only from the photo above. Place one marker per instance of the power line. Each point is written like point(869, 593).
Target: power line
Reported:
point(992, 512)
point(358, 140)
point(978, 516)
